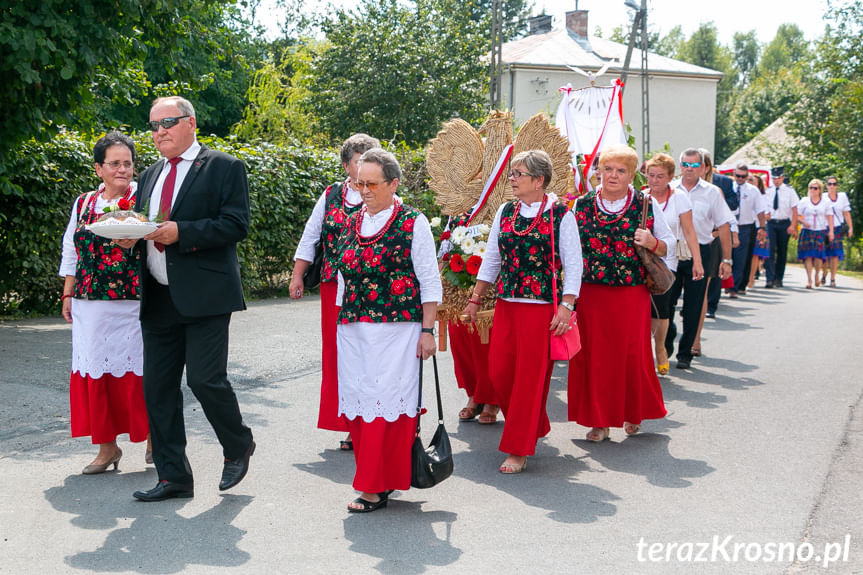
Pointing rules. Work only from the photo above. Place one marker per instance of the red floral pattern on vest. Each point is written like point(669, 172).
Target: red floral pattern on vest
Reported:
point(336, 213)
point(609, 250)
point(525, 268)
point(104, 270)
point(380, 284)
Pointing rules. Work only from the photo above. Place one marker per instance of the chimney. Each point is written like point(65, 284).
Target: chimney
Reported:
point(576, 23)
point(540, 24)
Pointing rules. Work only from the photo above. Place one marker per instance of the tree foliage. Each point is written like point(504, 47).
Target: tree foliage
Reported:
point(396, 69)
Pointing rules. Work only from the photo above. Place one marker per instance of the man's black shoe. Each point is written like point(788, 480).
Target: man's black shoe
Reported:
point(166, 490)
point(235, 469)
point(710, 314)
point(769, 285)
point(683, 363)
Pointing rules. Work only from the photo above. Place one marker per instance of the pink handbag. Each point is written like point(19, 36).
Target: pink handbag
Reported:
point(563, 347)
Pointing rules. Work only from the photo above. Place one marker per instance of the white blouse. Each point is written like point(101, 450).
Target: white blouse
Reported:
point(315, 223)
point(569, 248)
point(675, 204)
point(815, 215)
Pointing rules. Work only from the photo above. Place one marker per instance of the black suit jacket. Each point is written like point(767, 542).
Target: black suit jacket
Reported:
point(212, 214)
point(726, 184)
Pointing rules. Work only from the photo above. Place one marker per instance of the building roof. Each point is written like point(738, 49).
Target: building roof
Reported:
point(561, 47)
point(757, 150)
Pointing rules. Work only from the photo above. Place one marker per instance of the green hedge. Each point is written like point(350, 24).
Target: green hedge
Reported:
point(284, 183)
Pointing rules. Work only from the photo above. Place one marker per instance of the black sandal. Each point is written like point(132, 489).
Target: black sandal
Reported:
point(369, 506)
point(347, 445)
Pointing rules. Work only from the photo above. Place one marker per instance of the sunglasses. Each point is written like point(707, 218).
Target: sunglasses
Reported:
point(690, 164)
point(741, 175)
point(832, 183)
point(814, 187)
point(166, 123)
point(372, 186)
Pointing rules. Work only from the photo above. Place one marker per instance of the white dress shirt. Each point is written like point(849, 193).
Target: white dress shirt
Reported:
point(788, 199)
point(569, 249)
point(751, 204)
point(156, 262)
point(709, 209)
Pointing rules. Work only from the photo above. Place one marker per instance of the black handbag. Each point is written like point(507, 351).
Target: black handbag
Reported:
point(431, 465)
point(312, 275)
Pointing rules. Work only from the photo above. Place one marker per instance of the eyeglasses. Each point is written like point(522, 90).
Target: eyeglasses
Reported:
point(741, 175)
point(690, 164)
point(832, 183)
point(166, 123)
point(516, 174)
point(372, 186)
point(118, 164)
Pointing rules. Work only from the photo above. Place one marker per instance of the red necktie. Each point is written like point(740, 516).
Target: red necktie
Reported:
point(167, 196)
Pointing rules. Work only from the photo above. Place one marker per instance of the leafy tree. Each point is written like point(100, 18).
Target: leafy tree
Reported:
point(787, 48)
point(395, 68)
point(747, 51)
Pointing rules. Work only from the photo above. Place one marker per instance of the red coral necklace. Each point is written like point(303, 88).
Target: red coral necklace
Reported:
point(368, 240)
point(596, 211)
point(536, 219)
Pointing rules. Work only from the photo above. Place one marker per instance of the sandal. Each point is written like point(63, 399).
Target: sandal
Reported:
point(598, 434)
point(468, 413)
point(631, 428)
point(346, 445)
point(487, 418)
point(662, 368)
point(512, 468)
point(832, 283)
point(369, 506)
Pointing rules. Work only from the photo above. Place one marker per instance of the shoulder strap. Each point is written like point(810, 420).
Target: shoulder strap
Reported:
point(333, 191)
point(83, 199)
point(645, 203)
point(553, 275)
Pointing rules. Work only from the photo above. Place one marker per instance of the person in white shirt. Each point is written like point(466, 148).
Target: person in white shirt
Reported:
point(322, 231)
point(782, 202)
point(677, 211)
point(843, 227)
point(816, 217)
point(709, 211)
point(519, 253)
point(751, 209)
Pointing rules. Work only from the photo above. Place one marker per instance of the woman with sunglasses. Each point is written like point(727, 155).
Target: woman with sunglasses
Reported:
point(518, 251)
point(841, 208)
point(101, 294)
point(612, 381)
point(389, 288)
point(322, 230)
point(816, 217)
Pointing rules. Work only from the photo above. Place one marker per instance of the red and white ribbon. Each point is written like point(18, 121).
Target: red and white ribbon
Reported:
point(499, 168)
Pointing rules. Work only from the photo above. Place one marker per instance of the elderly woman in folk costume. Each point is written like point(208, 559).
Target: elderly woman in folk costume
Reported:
point(389, 288)
point(612, 382)
point(101, 299)
point(519, 251)
point(322, 231)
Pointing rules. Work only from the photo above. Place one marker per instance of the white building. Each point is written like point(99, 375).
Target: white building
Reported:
point(682, 96)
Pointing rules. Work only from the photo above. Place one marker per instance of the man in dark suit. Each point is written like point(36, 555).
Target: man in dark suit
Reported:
point(191, 285)
point(714, 286)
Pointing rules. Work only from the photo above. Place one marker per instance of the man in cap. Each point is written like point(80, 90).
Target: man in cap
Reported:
point(782, 203)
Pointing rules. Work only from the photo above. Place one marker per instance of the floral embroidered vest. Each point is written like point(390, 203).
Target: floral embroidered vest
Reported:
point(608, 248)
point(525, 261)
point(380, 284)
point(104, 271)
point(336, 213)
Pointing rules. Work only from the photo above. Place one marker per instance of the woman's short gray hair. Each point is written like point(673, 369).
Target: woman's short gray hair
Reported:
point(537, 162)
point(357, 144)
point(388, 163)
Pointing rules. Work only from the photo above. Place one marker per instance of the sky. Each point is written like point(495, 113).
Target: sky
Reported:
point(730, 16)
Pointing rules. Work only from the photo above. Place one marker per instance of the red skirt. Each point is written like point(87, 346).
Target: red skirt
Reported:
point(470, 360)
point(328, 412)
point(612, 379)
point(109, 406)
point(521, 372)
point(382, 451)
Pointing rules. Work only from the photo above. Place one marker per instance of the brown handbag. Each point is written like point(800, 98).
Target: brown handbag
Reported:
point(659, 277)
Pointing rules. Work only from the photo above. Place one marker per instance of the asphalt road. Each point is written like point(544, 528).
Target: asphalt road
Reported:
point(762, 449)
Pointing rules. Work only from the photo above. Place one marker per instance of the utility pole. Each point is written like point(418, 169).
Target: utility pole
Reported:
point(496, 68)
point(639, 27)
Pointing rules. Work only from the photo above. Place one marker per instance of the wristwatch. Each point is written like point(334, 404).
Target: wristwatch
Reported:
point(728, 261)
point(429, 330)
point(568, 306)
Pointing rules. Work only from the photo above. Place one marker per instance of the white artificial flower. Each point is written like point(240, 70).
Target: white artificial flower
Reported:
point(458, 235)
point(479, 249)
point(467, 245)
point(435, 222)
point(484, 229)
